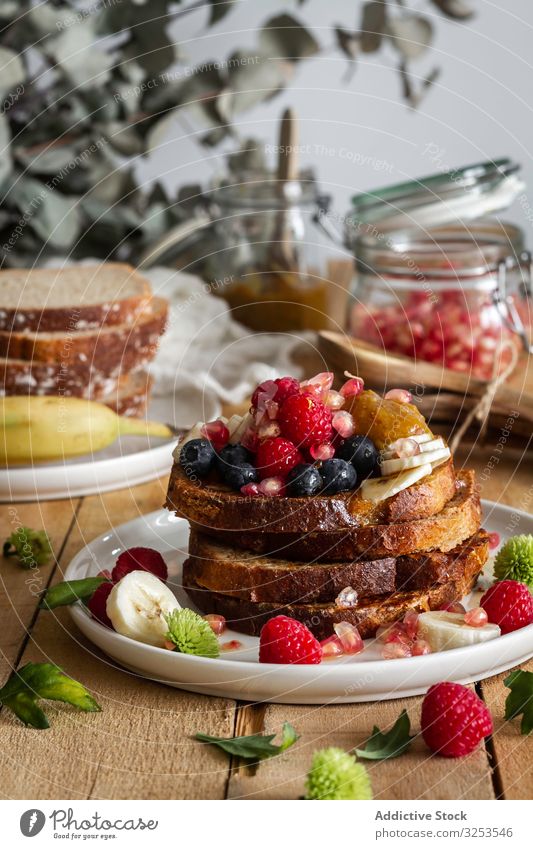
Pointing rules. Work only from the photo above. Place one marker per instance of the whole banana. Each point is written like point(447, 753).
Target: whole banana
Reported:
point(38, 428)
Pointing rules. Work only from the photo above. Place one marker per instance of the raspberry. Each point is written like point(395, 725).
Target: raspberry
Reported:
point(287, 386)
point(508, 604)
point(97, 603)
point(144, 559)
point(276, 457)
point(454, 720)
point(305, 420)
point(284, 640)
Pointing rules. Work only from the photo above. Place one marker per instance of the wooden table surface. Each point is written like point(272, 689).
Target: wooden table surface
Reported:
point(140, 746)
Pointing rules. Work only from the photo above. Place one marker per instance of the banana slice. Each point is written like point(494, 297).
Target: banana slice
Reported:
point(137, 606)
point(390, 467)
point(237, 432)
point(427, 445)
point(421, 438)
point(444, 630)
point(377, 489)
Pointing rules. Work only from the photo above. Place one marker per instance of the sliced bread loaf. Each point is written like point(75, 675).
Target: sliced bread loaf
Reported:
point(74, 298)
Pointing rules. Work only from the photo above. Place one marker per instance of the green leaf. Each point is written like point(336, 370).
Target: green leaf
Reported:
point(78, 56)
point(253, 747)
point(219, 10)
point(69, 592)
point(520, 699)
point(372, 25)
point(12, 71)
point(410, 34)
point(390, 744)
point(43, 681)
point(54, 217)
point(284, 37)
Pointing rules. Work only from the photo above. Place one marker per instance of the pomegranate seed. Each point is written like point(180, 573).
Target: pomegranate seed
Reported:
point(251, 489)
point(350, 637)
point(494, 539)
point(410, 622)
point(343, 423)
point(272, 409)
point(420, 647)
point(318, 384)
point(334, 400)
point(354, 386)
point(387, 633)
point(322, 451)
point(231, 645)
point(216, 622)
point(331, 647)
point(454, 607)
point(476, 617)
point(268, 430)
point(272, 486)
point(217, 433)
point(405, 447)
point(391, 651)
point(250, 440)
point(168, 644)
point(347, 597)
point(265, 392)
point(403, 396)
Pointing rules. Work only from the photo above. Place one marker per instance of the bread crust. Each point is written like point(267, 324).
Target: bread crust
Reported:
point(248, 617)
point(208, 504)
point(244, 575)
point(111, 350)
point(87, 317)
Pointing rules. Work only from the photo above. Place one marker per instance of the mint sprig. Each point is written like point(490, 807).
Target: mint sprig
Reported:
point(68, 592)
point(36, 681)
point(520, 699)
point(254, 747)
point(381, 746)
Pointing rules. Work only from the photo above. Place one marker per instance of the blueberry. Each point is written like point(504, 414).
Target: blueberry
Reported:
point(238, 476)
point(231, 456)
point(337, 476)
point(361, 452)
point(304, 480)
point(197, 457)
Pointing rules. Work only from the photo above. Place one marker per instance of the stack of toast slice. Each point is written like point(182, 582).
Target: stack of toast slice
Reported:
point(83, 331)
point(252, 558)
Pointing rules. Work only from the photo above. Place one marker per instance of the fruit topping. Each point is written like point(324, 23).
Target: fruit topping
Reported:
point(377, 489)
point(410, 624)
point(385, 420)
point(454, 607)
point(395, 650)
point(304, 480)
point(139, 558)
point(331, 647)
point(216, 622)
point(420, 647)
point(421, 458)
point(97, 604)
point(337, 476)
point(217, 433)
point(318, 385)
point(403, 447)
point(476, 617)
point(508, 604)
point(403, 396)
point(251, 489)
point(322, 451)
point(515, 560)
point(231, 645)
point(272, 487)
point(137, 606)
point(284, 640)
point(347, 597)
point(334, 400)
point(351, 640)
point(266, 391)
point(305, 420)
point(197, 457)
point(276, 457)
point(361, 452)
point(444, 630)
point(354, 386)
point(343, 423)
point(454, 720)
point(495, 539)
point(239, 476)
point(286, 386)
point(232, 456)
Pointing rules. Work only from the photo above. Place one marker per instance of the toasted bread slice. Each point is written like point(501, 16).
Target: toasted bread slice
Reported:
point(249, 617)
point(460, 519)
point(110, 350)
point(73, 298)
point(244, 575)
point(212, 506)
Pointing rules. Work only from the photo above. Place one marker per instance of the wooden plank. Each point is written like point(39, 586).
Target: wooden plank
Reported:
point(415, 775)
point(140, 746)
point(513, 751)
point(20, 587)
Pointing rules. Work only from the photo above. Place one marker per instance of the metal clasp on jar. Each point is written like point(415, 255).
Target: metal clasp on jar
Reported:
point(505, 303)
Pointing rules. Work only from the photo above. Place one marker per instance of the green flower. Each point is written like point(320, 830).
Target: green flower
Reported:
point(335, 774)
point(32, 548)
point(191, 634)
point(515, 560)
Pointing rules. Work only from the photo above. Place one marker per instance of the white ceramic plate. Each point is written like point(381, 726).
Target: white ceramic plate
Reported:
point(239, 675)
point(127, 462)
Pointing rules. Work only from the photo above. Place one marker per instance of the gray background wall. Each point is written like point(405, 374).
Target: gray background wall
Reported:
point(360, 135)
